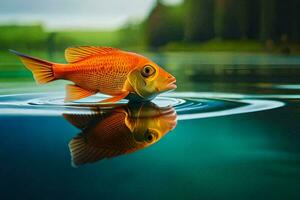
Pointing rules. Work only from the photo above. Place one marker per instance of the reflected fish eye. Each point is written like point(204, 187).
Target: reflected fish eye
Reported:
point(149, 137)
point(147, 71)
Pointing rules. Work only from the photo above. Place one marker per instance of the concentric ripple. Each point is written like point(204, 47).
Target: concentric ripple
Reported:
point(187, 105)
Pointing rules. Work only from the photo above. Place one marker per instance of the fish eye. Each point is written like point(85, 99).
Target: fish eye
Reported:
point(149, 137)
point(147, 71)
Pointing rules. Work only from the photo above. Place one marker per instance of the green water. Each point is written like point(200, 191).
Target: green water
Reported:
point(237, 135)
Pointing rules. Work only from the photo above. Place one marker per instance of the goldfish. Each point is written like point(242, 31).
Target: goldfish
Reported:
point(106, 70)
point(107, 133)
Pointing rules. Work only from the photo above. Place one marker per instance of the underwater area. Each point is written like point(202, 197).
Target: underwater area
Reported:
point(230, 130)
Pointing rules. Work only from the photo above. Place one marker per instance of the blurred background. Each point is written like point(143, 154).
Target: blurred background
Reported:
point(198, 40)
point(228, 56)
point(210, 25)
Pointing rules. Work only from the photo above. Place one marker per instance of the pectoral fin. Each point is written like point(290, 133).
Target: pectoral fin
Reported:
point(74, 92)
point(115, 98)
point(82, 152)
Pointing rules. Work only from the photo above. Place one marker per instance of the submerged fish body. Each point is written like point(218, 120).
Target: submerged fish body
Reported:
point(126, 129)
point(105, 70)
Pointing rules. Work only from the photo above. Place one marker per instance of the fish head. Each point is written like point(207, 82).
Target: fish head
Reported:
point(150, 124)
point(149, 80)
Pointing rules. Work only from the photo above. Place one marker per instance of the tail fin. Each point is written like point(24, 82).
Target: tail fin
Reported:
point(42, 70)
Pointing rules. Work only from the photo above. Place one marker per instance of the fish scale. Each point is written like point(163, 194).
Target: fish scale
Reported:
point(106, 74)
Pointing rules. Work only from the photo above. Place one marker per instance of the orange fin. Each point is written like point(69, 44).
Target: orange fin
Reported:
point(115, 98)
point(82, 152)
point(42, 70)
point(75, 54)
point(75, 92)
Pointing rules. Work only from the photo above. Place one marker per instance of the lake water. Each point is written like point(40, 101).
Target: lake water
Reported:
point(230, 131)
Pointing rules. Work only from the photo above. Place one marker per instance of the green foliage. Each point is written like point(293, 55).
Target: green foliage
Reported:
point(22, 37)
point(132, 36)
point(30, 38)
point(194, 21)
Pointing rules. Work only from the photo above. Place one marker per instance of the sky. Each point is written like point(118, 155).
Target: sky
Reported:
point(72, 14)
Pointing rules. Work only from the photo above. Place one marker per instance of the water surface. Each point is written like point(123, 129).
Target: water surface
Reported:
point(235, 135)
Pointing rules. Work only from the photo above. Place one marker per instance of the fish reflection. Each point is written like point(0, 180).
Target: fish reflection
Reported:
point(112, 132)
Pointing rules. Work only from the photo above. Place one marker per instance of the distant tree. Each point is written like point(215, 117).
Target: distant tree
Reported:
point(288, 20)
point(295, 21)
point(235, 19)
point(268, 19)
point(164, 25)
point(218, 18)
point(280, 19)
point(227, 25)
point(199, 21)
point(51, 43)
point(283, 18)
point(247, 13)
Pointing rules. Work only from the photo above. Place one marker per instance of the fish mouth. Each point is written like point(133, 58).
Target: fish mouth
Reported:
point(171, 85)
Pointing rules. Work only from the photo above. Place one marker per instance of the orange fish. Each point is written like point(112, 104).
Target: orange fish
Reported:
point(122, 130)
point(104, 70)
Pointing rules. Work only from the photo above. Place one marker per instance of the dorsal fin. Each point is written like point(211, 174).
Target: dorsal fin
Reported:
point(75, 54)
